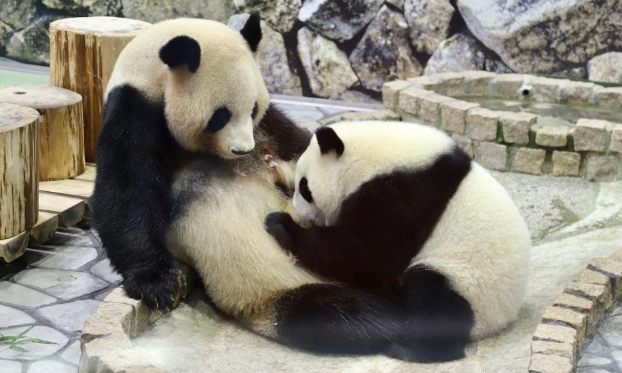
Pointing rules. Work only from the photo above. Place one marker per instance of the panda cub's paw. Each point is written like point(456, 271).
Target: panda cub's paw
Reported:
point(159, 289)
point(283, 228)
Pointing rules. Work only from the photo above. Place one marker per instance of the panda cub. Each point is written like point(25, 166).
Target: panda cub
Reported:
point(391, 199)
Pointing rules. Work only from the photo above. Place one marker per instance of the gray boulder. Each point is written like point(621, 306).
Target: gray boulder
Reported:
point(280, 14)
point(327, 67)
point(495, 65)
point(458, 53)
point(5, 33)
point(383, 54)
point(17, 13)
point(159, 10)
point(32, 44)
point(546, 35)
point(429, 22)
point(574, 73)
point(86, 7)
point(338, 19)
point(606, 68)
point(397, 3)
point(272, 59)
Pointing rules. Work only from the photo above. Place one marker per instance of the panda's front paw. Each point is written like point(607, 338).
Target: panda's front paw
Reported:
point(283, 228)
point(159, 289)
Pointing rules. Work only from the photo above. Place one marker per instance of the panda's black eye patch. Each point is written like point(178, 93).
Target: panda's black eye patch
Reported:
point(254, 113)
point(219, 120)
point(305, 192)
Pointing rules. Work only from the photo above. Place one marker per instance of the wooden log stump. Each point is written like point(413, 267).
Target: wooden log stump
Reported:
point(83, 52)
point(61, 136)
point(19, 184)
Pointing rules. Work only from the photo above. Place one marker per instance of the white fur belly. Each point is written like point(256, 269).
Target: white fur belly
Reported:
point(482, 245)
point(222, 235)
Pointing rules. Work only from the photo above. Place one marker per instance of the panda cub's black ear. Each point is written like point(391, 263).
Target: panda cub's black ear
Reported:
point(181, 50)
point(251, 32)
point(328, 141)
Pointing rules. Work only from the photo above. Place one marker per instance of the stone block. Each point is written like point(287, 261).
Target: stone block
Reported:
point(608, 97)
point(552, 348)
point(423, 82)
point(408, 99)
point(556, 333)
point(476, 83)
point(545, 89)
point(482, 124)
point(448, 83)
point(465, 144)
point(453, 115)
point(381, 115)
point(516, 126)
point(390, 92)
point(550, 364)
point(601, 167)
point(492, 156)
point(615, 144)
point(591, 135)
point(552, 136)
point(109, 318)
point(507, 85)
point(574, 319)
point(576, 92)
point(612, 269)
point(429, 107)
point(566, 163)
point(600, 295)
point(528, 161)
point(583, 305)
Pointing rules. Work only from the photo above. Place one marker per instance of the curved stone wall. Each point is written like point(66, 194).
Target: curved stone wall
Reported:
point(515, 141)
point(574, 314)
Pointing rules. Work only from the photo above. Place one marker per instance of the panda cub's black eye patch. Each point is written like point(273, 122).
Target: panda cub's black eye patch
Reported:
point(304, 190)
point(254, 113)
point(219, 120)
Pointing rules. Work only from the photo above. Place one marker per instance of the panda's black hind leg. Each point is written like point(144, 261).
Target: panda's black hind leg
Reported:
point(437, 320)
point(331, 318)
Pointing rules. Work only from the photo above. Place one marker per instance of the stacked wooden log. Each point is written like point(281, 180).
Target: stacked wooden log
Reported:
point(83, 52)
point(46, 132)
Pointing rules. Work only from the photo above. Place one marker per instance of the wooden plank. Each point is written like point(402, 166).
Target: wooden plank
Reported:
point(45, 228)
point(14, 247)
point(70, 188)
point(70, 210)
point(88, 175)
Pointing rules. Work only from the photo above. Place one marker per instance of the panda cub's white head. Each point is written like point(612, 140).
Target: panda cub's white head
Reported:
point(342, 157)
point(206, 76)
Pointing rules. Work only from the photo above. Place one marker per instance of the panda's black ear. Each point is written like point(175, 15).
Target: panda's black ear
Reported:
point(328, 141)
point(251, 32)
point(181, 50)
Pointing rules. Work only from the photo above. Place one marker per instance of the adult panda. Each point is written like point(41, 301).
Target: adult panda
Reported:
point(400, 199)
point(181, 170)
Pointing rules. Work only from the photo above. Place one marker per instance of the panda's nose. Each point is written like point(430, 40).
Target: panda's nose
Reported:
point(241, 152)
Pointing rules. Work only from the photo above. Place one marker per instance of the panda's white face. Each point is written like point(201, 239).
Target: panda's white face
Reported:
point(216, 109)
point(208, 78)
point(344, 156)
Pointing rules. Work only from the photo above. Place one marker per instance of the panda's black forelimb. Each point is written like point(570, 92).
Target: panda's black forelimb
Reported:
point(131, 203)
point(289, 140)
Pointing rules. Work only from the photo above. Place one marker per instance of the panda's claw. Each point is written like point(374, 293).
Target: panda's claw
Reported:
point(279, 225)
point(157, 288)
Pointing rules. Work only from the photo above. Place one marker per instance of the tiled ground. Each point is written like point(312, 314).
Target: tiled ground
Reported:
point(58, 287)
point(603, 353)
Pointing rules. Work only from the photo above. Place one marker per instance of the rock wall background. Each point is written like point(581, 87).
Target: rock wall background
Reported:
point(346, 49)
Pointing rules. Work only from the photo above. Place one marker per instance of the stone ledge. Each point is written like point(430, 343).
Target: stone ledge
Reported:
point(431, 100)
point(118, 318)
point(573, 316)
